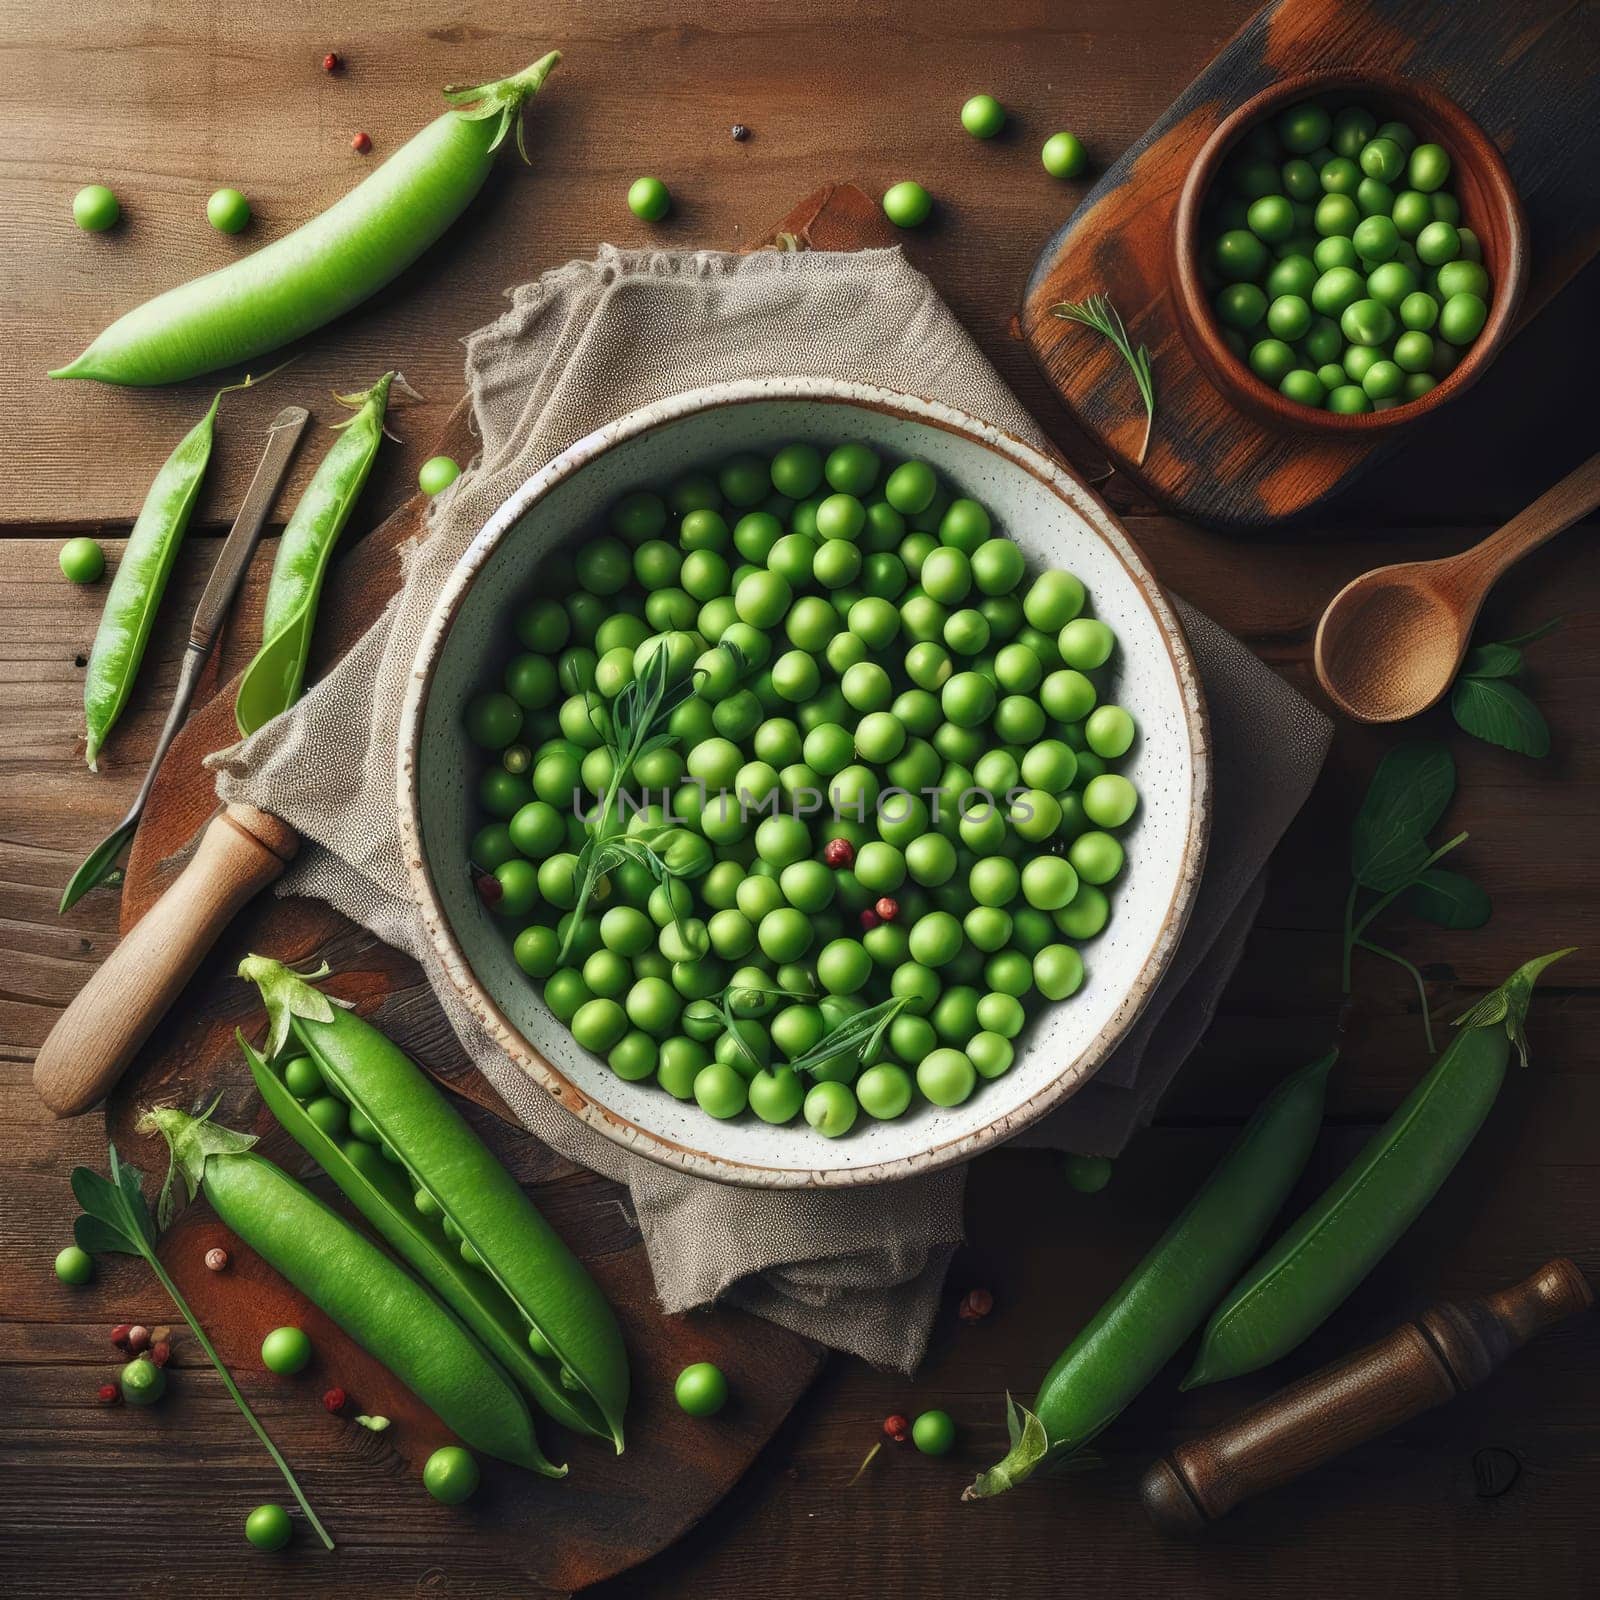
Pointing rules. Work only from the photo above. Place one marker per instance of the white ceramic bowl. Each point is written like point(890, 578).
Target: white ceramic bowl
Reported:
point(1057, 522)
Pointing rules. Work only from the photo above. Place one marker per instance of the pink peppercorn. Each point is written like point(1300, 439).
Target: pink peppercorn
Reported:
point(839, 853)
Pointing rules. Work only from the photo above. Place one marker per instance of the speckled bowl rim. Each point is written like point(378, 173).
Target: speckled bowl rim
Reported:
point(826, 391)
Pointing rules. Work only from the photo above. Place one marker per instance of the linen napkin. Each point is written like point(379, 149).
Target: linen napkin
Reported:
point(859, 1269)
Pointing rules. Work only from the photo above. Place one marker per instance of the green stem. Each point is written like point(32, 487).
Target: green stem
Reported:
point(238, 1399)
point(1422, 989)
point(1394, 894)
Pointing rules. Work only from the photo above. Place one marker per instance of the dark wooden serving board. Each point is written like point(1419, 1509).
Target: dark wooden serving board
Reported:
point(1525, 72)
point(610, 1513)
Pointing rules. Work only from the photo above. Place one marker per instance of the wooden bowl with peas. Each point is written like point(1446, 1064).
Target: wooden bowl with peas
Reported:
point(1349, 254)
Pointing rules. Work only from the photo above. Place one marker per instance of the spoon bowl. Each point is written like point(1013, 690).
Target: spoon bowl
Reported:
point(1391, 641)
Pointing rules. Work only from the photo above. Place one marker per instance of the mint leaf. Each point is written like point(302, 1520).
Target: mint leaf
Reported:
point(1492, 661)
point(1449, 899)
point(1407, 796)
point(1499, 713)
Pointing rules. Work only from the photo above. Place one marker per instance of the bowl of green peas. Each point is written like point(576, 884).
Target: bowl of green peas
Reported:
point(805, 783)
point(1349, 254)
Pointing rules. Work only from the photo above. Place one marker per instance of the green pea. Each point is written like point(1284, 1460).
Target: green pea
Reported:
point(1064, 156)
point(1339, 176)
point(649, 199)
point(1367, 323)
point(907, 204)
point(1304, 387)
point(701, 1390)
point(1428, 168)
point(720, 1091)
point(1058, 971)
point(1461, 318)
point(1438, 243)
point(332, 1116)
point(268, 1527)
point(74, 1266)
point(1463, 277)
point(776, 1095)
point(81, 560)
point(1304, 127)
point(1096, 858)
point(1087, 1174)
point(1288, 317)
point(946, 1077)
point(1336, 214)
point(1271, 218)
point(1239, 255)
point(884, 1091)
point(451, 1474)
point(95, 208)
point(830, 1108)
point(1086, 643)
point(286, 1350)
point(1334, 251)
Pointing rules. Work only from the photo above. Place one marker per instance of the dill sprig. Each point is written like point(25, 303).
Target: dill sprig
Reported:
point(1097, 312)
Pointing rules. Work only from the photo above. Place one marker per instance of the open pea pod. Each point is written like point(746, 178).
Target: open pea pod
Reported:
point(477, 1240)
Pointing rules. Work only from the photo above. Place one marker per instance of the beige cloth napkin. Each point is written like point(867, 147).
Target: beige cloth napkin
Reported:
point(858, 1269)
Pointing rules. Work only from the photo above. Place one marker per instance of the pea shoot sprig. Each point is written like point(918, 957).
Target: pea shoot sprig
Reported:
point(116, 1218)
point(634, 727)
point(859, 1035)
point(1486, 704)
point(1391, 859)
point(1097, 312)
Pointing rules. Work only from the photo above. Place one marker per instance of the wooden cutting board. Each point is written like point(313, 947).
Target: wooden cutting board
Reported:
point(610, 1513)
point(1525, 72)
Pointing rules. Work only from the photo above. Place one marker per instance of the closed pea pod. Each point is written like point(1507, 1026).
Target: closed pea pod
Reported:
point(1314, 1266)
point(385, 1310)
point(328, 265)
point(141, 579)
point(528, 1281)
point(273, 680)
point(1139, 1329)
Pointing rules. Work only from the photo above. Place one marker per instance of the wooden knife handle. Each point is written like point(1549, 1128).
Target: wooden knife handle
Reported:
point(1450, 1347)
point(241, 851)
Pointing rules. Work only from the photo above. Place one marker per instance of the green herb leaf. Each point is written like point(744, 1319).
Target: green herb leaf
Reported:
point(1508, 1005)
point(1097, 312)
point(1449, 899)
point(1492, 661)
point(116, 1218)
point(1029, 1448)
point(1535, 634)
point(287, 994)
point(1500, 713)
point(858, 1034)
point(1407, 796)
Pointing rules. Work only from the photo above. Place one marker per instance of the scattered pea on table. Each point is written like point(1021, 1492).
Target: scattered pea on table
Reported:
point(934, 1433)
point(649, 199)
point(228, 211)
point(286, 1350)
point(1063, 155)
point(74, 1266)
point(451, 1475)
point(95, 208)
point(983, 116)
point(907, 205)
point(701, 1389)
point(268, 1527)
point(82, 560)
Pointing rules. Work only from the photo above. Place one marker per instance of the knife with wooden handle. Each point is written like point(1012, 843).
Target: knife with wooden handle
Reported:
point(241, 851)
point(1451, 1347)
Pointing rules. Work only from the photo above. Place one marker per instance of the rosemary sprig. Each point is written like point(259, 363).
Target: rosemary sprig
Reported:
point(1097, 312)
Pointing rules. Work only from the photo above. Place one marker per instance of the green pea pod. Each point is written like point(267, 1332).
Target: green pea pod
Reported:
point(272, 682)
point(381, 1306)
point(141, 579)
point(1307, 1275)
point(331, 263)
point(522, 1277)
point(1161, 1302)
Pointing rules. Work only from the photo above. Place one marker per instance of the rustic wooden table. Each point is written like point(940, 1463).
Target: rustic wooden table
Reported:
point(166, 106)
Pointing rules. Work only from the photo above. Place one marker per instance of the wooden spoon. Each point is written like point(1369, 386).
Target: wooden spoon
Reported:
point(1391, 641)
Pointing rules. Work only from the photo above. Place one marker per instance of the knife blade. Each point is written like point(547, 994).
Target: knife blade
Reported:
point(99, 866)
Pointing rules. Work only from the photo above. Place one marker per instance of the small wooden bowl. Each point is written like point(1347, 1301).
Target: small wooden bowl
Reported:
point(1489, 206)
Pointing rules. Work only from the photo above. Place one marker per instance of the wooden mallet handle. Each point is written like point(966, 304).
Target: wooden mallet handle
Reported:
point(1451, 1347)
point(241, 851)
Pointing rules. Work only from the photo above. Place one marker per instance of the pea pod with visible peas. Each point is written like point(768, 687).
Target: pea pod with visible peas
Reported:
point(273, 680)
point(1313, 1267)
point(1140, 1328)
point(141, 579)
point(331, 263)
point(449, 1208)
point(380, 1305)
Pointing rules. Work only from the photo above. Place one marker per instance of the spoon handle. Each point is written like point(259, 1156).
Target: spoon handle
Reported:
point(1576, 495)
